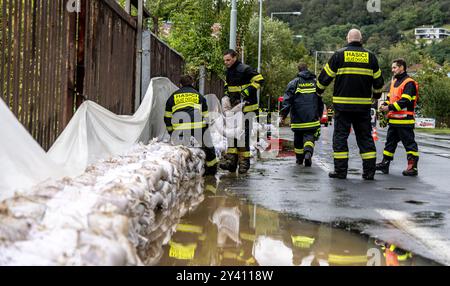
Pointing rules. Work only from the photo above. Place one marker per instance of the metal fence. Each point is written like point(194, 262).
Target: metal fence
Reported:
point(52, 58)
point(165, 61)
point(214, 84)
point(109, 56)
point(37, 60)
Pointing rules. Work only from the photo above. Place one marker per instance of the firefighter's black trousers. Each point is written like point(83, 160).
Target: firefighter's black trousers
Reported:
point(396, 134)
point(303, 142)
point(361, 122)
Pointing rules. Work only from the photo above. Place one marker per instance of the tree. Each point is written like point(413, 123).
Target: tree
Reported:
point(407, 50)
point(440, 52)
point(280, 56)
point(163, 9)
point(192, 34)
point(434, 91)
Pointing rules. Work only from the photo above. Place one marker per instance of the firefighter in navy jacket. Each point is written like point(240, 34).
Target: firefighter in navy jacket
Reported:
point(305, 107)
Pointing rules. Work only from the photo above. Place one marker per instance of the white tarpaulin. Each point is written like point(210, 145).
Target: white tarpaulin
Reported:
point(272, 252)
point(23, 162)
point(93, 133)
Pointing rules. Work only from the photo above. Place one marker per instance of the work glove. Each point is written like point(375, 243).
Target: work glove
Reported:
point(317, 134)
point(245, 93)
point(382, 118)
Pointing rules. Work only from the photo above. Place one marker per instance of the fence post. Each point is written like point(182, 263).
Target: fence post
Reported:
point(201, 81)
point(70, 59)
point(80, 88)
point(137, 95)
point(146, 61)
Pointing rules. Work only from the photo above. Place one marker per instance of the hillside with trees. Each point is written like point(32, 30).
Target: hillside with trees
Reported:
point(324, 22)
point(199, 30)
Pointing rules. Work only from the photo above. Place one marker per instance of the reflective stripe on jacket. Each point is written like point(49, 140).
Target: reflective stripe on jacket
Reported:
point(403, 95)
point(242, 82)
point(186, 109)
point(358, 78)
point(303, 103)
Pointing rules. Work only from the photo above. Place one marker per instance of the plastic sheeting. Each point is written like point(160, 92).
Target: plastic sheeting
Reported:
point(23, 162)
point(272, 252)
point(93, 133)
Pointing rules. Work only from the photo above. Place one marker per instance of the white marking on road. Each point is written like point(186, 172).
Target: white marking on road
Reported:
point(438, 246)
point(322, 164)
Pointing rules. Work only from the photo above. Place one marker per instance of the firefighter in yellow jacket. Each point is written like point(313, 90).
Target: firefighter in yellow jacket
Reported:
point(358, 81)
point(186, 118)
point(402, 99)
point(242, 83)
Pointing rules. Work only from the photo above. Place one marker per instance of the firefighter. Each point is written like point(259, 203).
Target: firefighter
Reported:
point(330, 114)
point(402, 99)
point(186, 117)
point(306, 108)
point(358, 80)
point(242, 82)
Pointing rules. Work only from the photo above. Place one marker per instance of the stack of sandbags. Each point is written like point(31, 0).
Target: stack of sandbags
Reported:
point(119, 212)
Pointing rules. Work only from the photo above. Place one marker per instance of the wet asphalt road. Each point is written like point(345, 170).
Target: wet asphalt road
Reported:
point(412, 213)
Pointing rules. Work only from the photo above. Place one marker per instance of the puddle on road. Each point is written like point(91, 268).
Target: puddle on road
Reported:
point(429, 218)
point(228, 230)
point(395, 189)
point(413, 202)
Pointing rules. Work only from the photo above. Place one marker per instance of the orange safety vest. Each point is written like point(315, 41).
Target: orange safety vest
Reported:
point(395, 94)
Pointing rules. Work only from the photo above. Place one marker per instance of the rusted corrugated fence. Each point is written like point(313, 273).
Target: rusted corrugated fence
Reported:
point(214, 84)
point(54, 55)
point(165, 62)
point(37, 59)
point(110, 52)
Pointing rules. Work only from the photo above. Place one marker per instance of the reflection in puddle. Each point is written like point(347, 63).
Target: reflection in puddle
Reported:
point(227, 230)
point(429, 218)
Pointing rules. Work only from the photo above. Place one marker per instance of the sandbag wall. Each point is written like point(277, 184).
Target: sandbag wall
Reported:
point(119, 212)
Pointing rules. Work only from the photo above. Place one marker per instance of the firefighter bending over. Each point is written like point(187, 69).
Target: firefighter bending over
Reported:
point(186, 118)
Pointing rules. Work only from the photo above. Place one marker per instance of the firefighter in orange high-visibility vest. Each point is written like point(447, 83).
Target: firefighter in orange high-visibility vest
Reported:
point(402, 100)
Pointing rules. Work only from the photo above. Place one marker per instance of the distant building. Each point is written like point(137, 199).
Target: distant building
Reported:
point(431, 34)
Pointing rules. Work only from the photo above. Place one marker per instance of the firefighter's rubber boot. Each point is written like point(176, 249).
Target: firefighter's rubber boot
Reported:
point(244, 165)
point(308, 159)
point(300, 159)
point(369, 175)
point(383, 166)
point(338, 175)
point(411, 170)
point(229, 163)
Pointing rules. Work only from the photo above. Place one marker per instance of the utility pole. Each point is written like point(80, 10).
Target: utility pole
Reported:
point(233, 25)
point(260, 34)
point(138, 96)
point(260, 41)
point(201, 81)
